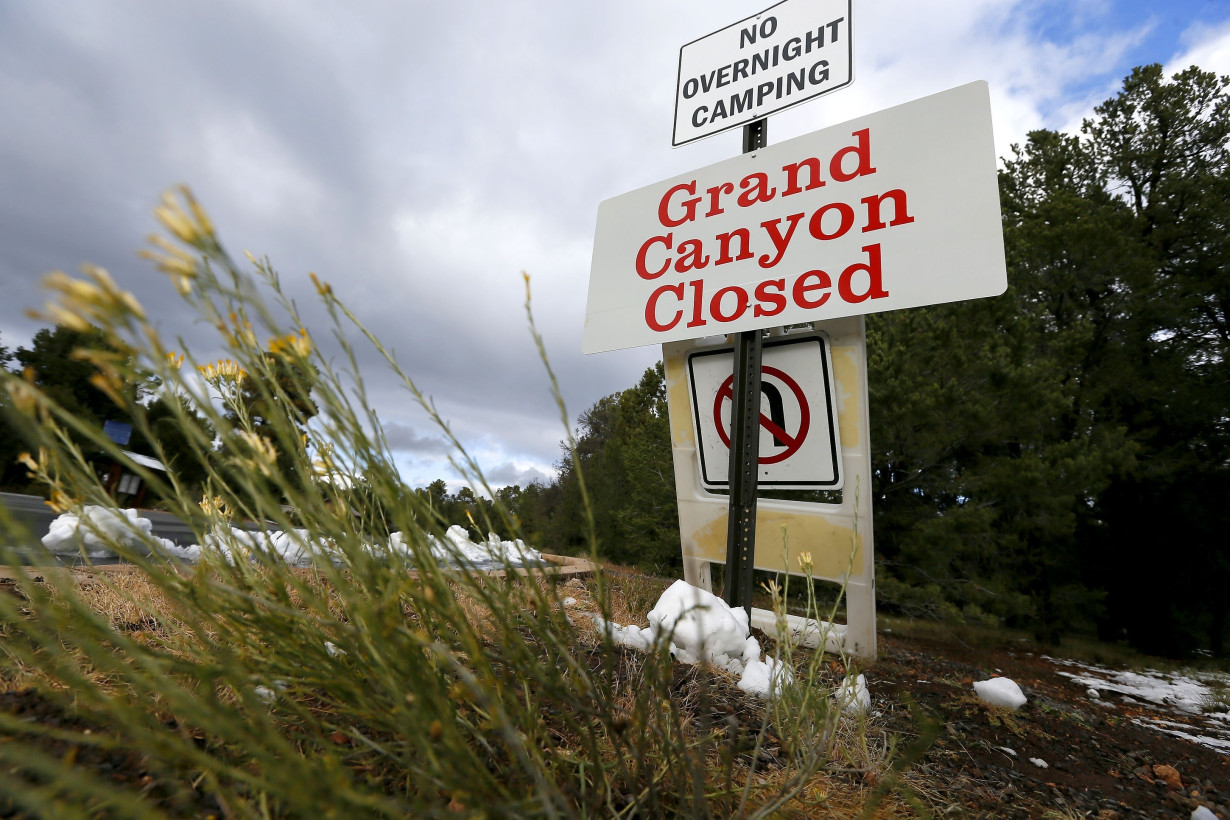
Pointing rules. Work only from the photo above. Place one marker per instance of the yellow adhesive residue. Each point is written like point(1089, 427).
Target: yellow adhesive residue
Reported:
point(679, 401)
point(845, 374)
point(780, 536)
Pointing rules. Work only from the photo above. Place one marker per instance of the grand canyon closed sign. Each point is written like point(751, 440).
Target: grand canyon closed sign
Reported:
point(894, 210)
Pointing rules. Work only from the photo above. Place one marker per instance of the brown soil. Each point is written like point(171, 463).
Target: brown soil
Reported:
point(1100, 763)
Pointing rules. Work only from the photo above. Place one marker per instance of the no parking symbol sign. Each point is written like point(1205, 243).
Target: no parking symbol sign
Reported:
point(799, 442)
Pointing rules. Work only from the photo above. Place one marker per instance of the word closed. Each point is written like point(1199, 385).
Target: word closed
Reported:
point(898, 209)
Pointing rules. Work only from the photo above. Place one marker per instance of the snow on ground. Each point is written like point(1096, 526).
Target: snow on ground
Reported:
point(700, 626)
point(93, 527)
point(1001, 692)
point(1191, 698)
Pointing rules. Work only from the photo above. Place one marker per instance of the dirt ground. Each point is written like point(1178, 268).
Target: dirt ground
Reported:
point(1100, 763)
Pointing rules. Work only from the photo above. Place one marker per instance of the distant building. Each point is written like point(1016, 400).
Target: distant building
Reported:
point(126, 487)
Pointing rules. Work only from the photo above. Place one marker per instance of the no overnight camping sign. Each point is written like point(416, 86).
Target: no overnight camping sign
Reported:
point(894, 210)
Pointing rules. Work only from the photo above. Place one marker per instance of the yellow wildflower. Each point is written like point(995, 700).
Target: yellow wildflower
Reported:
point(58, 315)
point(223, 370)
point(299, 344)
point(805, 565)
point(35, 467)
point(60, 501)
point(239, 332)
point(179, 265)
point(95, 301)
point(263, 457)
point(322, 288)
point(215, 506)
point(192, 226)
point(23, 393)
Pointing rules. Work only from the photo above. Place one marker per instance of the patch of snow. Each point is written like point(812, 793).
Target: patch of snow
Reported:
point(1208, 739)
point(1007, 750)
point(93, 527)
point(569, 601)
point(853, 696)
point(631, 636)
point(1180, 692)
point(766, 678)
point(1039, 762)
point(1201, 813)
point(96, 530)
point(700, 626)
point(700, 623)
point(1184, 695)
point(1001, 692)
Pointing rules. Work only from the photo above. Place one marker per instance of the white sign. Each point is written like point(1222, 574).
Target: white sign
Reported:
point(798, 413)
point(787, 54)
point(894, 210)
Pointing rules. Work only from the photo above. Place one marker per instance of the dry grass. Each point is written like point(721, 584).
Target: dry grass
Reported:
point(710, 703)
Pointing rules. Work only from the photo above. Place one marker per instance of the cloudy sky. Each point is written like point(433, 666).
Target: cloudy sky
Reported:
point(419, 156)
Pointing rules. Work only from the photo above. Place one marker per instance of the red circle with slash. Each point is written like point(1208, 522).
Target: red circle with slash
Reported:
point(793, 443)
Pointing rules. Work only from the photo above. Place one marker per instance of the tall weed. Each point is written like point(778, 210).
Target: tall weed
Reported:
point(374, 680)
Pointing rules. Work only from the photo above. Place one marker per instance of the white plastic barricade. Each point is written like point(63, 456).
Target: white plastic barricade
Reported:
point(838, 537)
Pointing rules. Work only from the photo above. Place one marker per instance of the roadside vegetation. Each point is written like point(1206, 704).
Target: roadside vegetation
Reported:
point(376, 681)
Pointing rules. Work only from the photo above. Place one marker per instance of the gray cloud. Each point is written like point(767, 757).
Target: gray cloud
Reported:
point(420, 156)
point(513, 474)
point(401, 437)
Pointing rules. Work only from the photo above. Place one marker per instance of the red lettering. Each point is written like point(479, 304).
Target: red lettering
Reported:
point(644, 272)
point(777, 300)
point(715, 306)
point(697, 303)
point(816, 225)
point(900, 215)
point(875, 288)
point(780, 242)
point(651, 308)
point(861, 151)
point(792, 176)
point(803, 286)
point(689, 205)
point(691, 256)
point(724, 244)
point(755, 189)
point(715, 193)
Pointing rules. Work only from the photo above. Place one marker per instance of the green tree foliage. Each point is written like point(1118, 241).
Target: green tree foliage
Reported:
point(1036, 454)
point(10, 439)
point(278, 388)
point(175, 432)
point(1164, 148)
point(623, 453)
point(55, 363)
point(56, 366)
point(478, 515)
